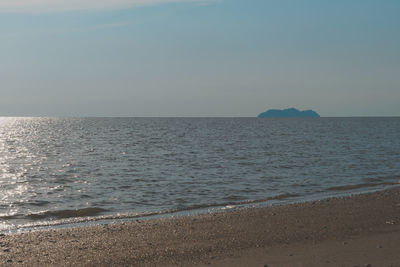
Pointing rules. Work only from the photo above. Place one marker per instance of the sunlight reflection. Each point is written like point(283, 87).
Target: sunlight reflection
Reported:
point(14, 158)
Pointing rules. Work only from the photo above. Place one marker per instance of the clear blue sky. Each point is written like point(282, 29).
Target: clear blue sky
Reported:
point(199, 58)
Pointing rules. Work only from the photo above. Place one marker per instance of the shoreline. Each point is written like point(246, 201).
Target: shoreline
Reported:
point(282, 199)
point(314, 233)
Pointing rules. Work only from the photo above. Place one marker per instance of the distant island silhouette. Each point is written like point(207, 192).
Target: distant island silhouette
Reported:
point(288, 113)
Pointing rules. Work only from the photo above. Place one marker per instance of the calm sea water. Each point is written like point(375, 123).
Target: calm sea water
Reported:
point(57, 170)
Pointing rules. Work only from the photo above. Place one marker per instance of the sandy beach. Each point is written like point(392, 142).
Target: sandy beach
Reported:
point(360, 230)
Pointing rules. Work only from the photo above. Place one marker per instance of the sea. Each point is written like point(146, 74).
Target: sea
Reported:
point(63, 172)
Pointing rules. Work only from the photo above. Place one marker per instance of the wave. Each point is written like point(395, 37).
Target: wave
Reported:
point(357, 186)
point(94, 214)
point(62, 214)
point(97, 215)
point(236, 203)
point(57, 214)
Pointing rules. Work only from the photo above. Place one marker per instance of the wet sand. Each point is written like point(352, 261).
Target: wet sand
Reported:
point(351, 231)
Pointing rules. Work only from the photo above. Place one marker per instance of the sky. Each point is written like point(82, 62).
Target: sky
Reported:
point(199, 57)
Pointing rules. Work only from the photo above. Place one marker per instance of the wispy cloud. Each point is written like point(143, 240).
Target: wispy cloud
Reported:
point(39, 6)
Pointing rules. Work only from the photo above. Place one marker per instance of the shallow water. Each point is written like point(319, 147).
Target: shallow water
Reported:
point(69, 168)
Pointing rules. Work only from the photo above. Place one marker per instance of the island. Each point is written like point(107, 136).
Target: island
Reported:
point(288, 113)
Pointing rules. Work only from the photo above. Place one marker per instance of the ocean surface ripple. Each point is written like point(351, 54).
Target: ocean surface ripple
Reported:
point(58, 168)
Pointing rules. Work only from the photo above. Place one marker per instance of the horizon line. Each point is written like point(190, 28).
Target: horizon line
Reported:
point(123, 116)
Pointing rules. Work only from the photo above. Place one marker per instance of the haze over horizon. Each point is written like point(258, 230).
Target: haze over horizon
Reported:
point(199, 57)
